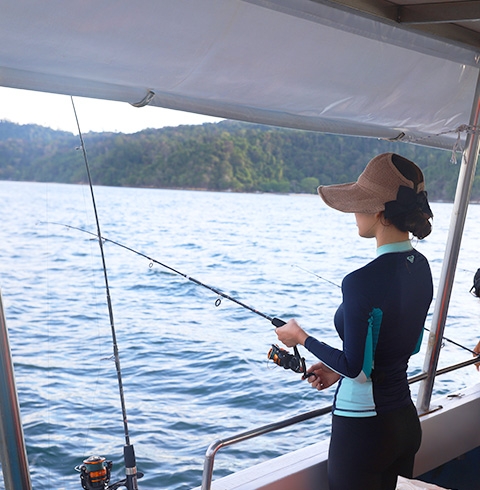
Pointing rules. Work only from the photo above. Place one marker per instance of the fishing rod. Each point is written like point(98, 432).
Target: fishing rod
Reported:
point(425, 328)
point(95, 472)
point(275, 321)
point(279, 356)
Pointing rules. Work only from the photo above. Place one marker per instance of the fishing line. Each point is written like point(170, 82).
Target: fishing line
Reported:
point(425, 328)
point(317, 275)
point(129, 454)
point(48, 282)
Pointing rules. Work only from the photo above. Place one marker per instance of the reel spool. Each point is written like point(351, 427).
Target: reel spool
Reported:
point(95, 473)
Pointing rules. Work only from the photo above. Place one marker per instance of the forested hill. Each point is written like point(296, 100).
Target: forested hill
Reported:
point(223, 156)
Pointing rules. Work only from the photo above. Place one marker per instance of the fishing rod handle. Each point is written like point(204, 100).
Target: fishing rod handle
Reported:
point(276, 322)
point(130, 467)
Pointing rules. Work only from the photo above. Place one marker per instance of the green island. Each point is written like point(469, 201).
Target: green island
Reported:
point(224, 156)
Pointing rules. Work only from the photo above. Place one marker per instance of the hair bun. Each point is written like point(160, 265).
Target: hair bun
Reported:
point(410, 212)
point(407, 202)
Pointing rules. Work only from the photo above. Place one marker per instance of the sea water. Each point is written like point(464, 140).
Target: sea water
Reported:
point(193, 372)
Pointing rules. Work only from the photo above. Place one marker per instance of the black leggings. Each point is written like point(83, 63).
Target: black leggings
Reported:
point(369, 453)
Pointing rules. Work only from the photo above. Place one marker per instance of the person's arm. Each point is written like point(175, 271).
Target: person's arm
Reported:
point(356, 316)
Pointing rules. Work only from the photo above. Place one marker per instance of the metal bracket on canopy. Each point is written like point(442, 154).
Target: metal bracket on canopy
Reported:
point(399, 137)
point(145, 101)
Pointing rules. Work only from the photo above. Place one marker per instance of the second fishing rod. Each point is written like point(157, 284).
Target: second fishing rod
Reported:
point(425, 328)
point(278, 355)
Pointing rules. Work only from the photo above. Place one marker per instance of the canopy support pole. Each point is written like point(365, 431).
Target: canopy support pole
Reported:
point(457, 222)
point(13, 454)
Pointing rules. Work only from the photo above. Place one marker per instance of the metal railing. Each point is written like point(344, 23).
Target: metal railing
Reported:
point(265, 429)
point(448, 369)
point(243, 436)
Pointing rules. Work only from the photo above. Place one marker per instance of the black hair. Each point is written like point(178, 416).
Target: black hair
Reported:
point(410, 211)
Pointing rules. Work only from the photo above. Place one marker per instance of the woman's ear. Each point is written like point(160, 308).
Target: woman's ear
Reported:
point(381, 216)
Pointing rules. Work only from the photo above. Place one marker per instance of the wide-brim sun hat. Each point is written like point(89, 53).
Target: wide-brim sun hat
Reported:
point(377, 184)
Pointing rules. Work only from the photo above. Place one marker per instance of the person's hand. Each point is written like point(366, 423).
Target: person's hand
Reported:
point(477, 350)
point(324, 376)
point(291, 334)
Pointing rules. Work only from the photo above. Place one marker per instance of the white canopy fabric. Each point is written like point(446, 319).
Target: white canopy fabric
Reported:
point(297, 63)
point(406, 484)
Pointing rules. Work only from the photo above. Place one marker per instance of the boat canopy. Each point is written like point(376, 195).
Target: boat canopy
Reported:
point(403, 70)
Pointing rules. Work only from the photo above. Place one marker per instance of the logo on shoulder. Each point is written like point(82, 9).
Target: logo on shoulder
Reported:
point(411, 258)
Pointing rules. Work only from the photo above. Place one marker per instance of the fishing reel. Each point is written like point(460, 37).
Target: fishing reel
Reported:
point(294, 362)
point(283, 358)
point(95, 473)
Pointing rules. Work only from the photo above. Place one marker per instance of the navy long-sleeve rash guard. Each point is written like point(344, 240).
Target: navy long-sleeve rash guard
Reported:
point(380, 321)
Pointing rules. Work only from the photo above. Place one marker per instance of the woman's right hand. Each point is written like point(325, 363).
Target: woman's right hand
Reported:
point(324, 376)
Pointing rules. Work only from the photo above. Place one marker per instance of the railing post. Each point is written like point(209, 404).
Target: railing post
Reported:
point(13, 454)
point(462, 196)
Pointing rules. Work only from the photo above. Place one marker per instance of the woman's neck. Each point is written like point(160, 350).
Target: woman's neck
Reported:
point(390, 234)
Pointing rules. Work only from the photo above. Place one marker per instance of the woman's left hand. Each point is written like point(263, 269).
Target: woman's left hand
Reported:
point(291, 334)
point(324, 376)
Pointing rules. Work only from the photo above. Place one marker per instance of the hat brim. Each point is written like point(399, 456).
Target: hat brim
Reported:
point(350, 198)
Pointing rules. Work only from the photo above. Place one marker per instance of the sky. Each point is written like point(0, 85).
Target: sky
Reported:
point(56, 112)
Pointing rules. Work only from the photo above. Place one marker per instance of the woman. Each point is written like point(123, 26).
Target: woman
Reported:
point(375, 427)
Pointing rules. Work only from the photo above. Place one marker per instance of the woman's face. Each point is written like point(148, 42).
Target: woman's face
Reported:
point(367, 224)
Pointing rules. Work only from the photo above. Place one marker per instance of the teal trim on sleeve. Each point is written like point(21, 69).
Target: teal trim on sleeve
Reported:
point(419, 344)
point(368, 356)
point(374, 322)
point(354, 398)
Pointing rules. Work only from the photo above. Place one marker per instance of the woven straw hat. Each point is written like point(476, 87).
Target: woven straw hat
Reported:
point(377, 184)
